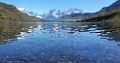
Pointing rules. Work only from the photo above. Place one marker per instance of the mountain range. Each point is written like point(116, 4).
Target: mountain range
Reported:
point(55, 14)
point(11, 13)
point(52, 14)
point(110, 13)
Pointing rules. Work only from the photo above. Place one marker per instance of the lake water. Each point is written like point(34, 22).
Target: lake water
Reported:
point(59, 42)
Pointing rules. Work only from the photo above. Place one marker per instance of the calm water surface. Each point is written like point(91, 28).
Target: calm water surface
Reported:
point(59, 42)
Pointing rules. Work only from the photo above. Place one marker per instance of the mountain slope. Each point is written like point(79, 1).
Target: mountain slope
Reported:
point(106, 11)
point(11, 13)
point(115, 5)
point(113, 15)
point(110, 13)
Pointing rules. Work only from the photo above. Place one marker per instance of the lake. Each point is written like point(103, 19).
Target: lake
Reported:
point(59, 42)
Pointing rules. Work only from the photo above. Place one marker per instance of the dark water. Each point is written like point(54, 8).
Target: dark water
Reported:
point(60, 42)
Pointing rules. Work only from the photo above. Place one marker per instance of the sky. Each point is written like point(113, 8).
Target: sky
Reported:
point(43, 6)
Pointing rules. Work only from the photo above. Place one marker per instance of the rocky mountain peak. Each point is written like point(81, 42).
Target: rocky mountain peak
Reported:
point(54, 13)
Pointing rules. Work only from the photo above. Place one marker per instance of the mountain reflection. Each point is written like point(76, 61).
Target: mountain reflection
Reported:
point(13, 31)
point(10, 31)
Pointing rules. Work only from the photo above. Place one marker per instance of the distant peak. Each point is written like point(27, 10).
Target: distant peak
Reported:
point(21, 9)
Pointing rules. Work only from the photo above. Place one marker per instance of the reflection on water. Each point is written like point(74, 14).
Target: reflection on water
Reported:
point(10, 31)
point(59, 42)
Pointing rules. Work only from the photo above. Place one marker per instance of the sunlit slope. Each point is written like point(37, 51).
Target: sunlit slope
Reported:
point(11, 13)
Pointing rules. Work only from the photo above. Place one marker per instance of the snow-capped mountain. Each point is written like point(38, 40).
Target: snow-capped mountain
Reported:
point(34, 14)
point(23, 10)
point(54, 14)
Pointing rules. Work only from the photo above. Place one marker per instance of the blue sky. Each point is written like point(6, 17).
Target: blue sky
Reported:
point(43, 6)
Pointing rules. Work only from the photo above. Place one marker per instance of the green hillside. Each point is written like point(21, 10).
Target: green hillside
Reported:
point(11, 13)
